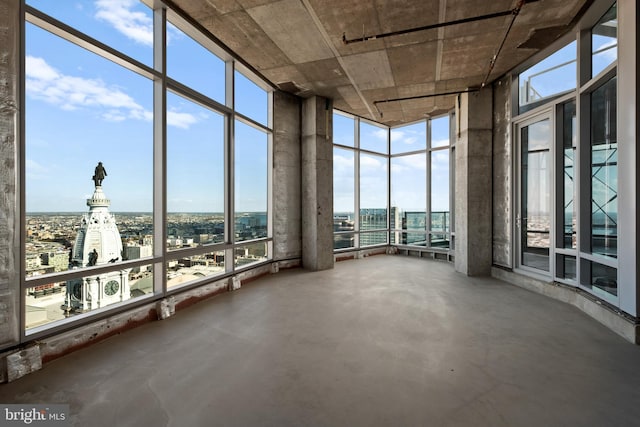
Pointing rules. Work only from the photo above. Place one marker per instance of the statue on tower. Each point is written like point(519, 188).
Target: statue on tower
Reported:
point(99, 174)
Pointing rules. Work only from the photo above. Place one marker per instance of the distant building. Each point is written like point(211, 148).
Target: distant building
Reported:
point(58, 260)
point(135, 251)
point(373, 219)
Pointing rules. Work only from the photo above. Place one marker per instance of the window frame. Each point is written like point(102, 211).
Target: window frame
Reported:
point(160, 257)
point(586, 85)
point(427, 153)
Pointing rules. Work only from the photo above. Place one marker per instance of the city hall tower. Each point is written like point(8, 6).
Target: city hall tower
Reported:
point(98, 242)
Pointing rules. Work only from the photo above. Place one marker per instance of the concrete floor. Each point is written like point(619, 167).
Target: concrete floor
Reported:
point(387, 340)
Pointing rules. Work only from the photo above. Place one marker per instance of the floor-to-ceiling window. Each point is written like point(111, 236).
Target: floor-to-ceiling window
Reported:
point(373, 184)
point(409, 184)
point(146, 159)
point(397, 179)
point(360, 182)
point(567, 192)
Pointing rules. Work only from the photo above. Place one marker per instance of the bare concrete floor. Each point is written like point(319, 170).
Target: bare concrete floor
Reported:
point(383, 341)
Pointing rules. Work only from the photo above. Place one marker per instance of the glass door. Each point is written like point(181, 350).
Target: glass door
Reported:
point(533, 218)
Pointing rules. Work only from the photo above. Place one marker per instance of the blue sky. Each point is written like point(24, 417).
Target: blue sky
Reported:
point(408, 172)
point(547, 80)
point(82, 109)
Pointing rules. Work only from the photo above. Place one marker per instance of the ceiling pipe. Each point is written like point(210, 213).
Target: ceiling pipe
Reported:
point(492, 63)
point(364, 38)
point(409, 98)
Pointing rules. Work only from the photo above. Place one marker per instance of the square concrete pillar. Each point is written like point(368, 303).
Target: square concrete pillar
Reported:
point(317, 183)
point(473, 179)
point(9, 142)
point(287, 214)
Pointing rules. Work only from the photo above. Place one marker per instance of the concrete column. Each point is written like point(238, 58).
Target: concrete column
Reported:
point(317, 184)
point(473, 160)
point(9, 194)
point(287, 215)
point(502, 173)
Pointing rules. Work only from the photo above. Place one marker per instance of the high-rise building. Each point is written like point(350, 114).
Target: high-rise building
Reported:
point(373, 219)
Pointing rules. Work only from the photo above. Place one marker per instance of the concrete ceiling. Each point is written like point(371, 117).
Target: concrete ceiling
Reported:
point(298, 45)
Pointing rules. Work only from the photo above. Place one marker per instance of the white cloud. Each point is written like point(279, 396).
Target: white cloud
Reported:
point(114, 116)
point(440, 142)
point(70, 92)
point(342, 163)
point(180, 120)
point(413, 163)
point(440, 160)
point(380, 134)
point(402, 139)
point(371, 163)
point(137, 26)
point(397, 135)
point(37, 68)
point(47, 84)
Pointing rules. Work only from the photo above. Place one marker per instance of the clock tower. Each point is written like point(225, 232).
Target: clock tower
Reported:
point(97, 243)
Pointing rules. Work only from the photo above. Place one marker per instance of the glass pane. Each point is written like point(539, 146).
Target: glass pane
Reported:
point(409, 138)
point(440, 221)
point(82, 110)
point(136, 231)
point(251, 100)
point(373, 219)
point(535, 195)
point(45, 304)
point(343, 129)
point(195, 174)
point(408, 192)
point(343, 188)
point(413, 239)
point(604, 278)
point(569, 150)
point(343, 241)
point(370, 239)
point(126, 26)
point(604, 171)
point(373, 138)
point(250, 254)
point(604, 41)
point(566, 267)
point(440, 190)
point(207, 78)
point(440, 241)
point(440, 132)
point(554, 75)
point(251, 152)
point(193, 268)
point(414, 221)
point(188, 230)
point(373, 192)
